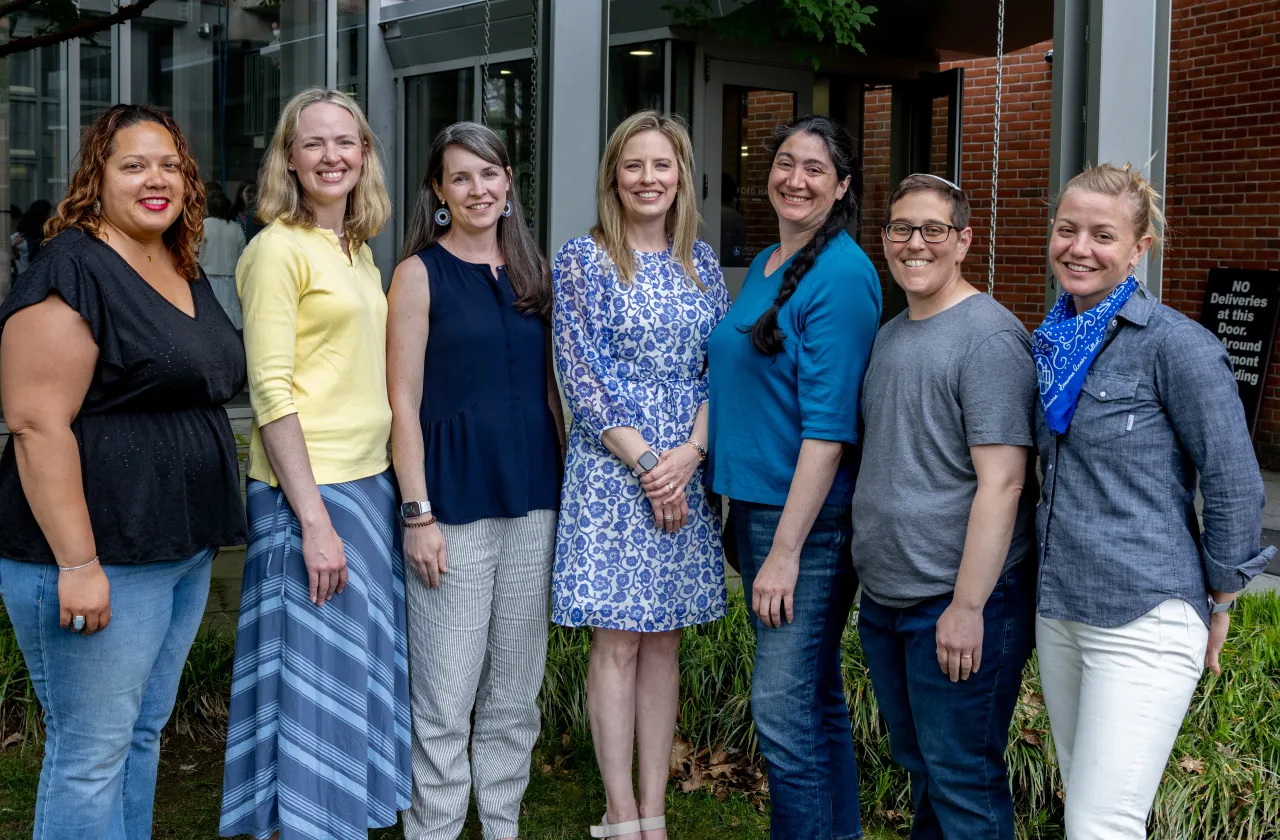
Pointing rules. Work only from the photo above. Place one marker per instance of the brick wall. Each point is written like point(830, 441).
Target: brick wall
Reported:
point(1223, 167)
point(765, 111)
point(1024, 173)
point(1223, 183)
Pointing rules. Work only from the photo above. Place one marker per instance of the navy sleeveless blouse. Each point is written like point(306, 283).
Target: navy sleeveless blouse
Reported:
point(490, 439)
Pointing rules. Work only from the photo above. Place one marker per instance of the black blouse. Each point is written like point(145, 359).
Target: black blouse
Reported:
point(157, 455)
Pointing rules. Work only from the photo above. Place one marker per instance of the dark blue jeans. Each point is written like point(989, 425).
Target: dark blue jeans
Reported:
point(797, 694)
point(951, 737)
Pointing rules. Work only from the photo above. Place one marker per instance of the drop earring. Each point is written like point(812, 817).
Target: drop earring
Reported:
point(506, 211)
point(97, 208)
point(443, 216)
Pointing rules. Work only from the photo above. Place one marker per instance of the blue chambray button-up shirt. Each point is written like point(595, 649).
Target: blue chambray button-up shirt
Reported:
point(1116, 525)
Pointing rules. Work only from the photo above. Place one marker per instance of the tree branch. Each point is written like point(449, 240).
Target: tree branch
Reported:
point(86, 26)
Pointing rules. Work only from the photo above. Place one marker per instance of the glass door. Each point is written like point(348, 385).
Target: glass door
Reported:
point(744, 103)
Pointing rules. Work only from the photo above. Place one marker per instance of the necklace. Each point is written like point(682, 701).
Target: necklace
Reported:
point(131, 240)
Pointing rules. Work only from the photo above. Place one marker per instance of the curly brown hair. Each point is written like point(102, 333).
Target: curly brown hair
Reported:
point(77, 210)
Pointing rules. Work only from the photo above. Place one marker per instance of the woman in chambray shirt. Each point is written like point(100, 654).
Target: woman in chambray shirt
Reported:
point(1136, 401)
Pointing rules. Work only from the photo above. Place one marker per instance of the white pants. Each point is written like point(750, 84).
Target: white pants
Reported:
point(1116, 698)
point(477, 648)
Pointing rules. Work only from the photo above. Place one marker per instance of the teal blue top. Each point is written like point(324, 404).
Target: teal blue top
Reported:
point(762, 407)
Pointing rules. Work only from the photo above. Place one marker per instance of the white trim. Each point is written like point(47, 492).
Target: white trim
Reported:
point(459, 63)
point(621, 39)
point(331, 43)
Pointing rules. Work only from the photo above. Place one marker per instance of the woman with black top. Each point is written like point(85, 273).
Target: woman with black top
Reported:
point(119, 481)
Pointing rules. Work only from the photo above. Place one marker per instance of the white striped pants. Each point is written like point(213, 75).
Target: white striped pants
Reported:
point(478, 642)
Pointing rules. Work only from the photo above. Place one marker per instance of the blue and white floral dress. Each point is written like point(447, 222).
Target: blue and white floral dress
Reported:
point(633, 356)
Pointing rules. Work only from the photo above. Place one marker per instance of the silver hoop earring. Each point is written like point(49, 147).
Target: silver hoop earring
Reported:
point(97, 208)
point(443, 216)
point(506, 211)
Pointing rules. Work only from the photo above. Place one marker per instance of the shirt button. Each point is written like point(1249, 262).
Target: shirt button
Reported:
point(1114, 322)
point(1102, 394)
point(1051, 466)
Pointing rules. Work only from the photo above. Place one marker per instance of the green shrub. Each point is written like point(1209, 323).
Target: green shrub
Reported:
point(1222, 781)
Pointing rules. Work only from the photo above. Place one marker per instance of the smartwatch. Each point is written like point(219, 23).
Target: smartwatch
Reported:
point(412, 510)
point(1224, 607)
point(646, 462)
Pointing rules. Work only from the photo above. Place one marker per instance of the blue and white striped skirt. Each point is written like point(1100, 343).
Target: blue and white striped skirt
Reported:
point(318, 742)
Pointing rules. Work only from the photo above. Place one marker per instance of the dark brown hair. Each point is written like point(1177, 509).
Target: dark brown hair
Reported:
point(77, 210)
point(956, 197)
point(528, 271)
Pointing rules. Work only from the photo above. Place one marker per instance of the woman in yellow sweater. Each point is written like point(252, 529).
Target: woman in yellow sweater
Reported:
point(318, 740)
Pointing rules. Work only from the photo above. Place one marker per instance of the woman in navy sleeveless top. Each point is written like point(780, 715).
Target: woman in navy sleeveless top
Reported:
point(489, 439)
point(477, 436)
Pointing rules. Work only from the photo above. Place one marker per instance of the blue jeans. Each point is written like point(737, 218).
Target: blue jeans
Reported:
point(951, 737)
point(105, 696)
point(797, 692)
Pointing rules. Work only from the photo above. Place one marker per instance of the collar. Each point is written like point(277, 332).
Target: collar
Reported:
point(1138, 308)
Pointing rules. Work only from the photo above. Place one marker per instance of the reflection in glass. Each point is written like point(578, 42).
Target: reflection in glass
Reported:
point(747, 221)
point(287, 55)
point(33, 151)
point(95, 78)
point(635, 79)
point(509, 110)
point(432, 101)
point(353, 50)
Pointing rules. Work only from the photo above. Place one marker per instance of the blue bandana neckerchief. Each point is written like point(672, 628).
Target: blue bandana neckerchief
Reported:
point(1064, 347)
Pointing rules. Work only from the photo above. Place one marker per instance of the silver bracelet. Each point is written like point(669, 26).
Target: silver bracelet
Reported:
point(77, 568)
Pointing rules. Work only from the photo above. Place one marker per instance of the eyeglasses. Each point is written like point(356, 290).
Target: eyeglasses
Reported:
point(933, 232)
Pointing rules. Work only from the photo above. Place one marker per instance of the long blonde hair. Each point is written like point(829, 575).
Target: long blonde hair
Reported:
point(280, 194)
point(682, 219)
point(1111, 180)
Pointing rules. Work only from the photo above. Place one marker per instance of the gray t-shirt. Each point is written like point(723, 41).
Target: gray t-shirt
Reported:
point(934, 388)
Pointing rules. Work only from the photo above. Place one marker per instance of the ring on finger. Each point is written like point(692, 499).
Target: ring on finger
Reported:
point(77, 623)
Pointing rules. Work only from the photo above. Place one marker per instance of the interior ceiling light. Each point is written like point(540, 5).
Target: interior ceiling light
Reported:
point(642, 52)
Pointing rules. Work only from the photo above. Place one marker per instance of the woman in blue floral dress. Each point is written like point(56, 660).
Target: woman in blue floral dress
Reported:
point(638, 551)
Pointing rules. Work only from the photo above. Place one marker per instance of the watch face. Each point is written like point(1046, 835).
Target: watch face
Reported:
point(647, 461)
point(409, 510)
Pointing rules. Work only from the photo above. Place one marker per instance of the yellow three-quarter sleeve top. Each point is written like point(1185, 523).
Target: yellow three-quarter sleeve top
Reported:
point(315, 329)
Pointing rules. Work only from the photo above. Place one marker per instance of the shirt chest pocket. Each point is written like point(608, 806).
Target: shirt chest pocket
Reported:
point(1110, 408)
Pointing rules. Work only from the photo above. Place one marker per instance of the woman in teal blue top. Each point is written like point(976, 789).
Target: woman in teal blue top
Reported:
point(786, 366)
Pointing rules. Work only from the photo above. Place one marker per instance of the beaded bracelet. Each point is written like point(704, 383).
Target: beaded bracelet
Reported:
point(430, 520)
point(77, 568)
point(702, 452)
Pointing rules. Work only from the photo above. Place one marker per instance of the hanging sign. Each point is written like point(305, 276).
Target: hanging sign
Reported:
point(1240, 309)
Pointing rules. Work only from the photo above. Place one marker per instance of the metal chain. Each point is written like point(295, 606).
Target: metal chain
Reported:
point(484, 68)
point(995, 157)
point(533, 106)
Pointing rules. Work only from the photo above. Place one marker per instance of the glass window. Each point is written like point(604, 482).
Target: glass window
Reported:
point(95, 78)
point(432, 101)
point(509, 109)
point(224, 76)
point(682, 80)
point(353, 50)
point(34, 148)
point(747, 221)
point(636, 79)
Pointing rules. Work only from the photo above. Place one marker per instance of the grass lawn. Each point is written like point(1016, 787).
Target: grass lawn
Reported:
point(561, 802)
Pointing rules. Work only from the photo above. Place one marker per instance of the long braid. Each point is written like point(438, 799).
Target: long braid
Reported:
point(766, 336)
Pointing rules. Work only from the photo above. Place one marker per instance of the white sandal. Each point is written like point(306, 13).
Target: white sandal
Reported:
point(604, 829)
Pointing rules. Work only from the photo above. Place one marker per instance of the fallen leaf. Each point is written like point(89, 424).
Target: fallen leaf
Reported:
point(1031, 736)
point(719, 756)
point(186, 768)
point(719, 771)
point(565, 740)
point(546, 768)
point(681, 752)
point(1192, 765)
point(15, 738)
point(692, 783)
